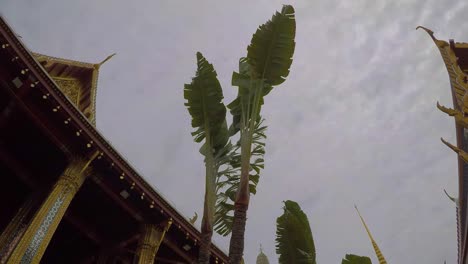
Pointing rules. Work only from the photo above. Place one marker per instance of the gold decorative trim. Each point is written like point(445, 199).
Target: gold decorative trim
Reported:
point(458, 78)
point(48, 58)
point(39, 232)
point(462, 154)
point(150, 242)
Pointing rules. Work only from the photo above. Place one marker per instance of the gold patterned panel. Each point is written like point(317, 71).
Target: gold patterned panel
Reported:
point(70, 87)
point(150, 241)
point(42, 227)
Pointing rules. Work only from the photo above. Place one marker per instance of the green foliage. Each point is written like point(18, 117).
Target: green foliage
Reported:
point(204, 102)
point(294, 242)
point(354, 259)
point(229, 180)
point(272, 47)
point(269, 57)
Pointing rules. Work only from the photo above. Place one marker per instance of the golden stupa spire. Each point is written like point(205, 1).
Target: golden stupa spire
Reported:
point(262, 258)
point(380, 257)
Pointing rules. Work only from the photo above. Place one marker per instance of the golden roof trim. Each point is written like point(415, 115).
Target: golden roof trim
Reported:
point(456, 74)
point(64, 61)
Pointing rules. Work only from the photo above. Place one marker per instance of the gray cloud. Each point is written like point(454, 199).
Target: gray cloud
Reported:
point(354, 123)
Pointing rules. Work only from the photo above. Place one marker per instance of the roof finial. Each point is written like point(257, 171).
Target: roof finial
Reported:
point(261, 248)
point(430, 32)
point(106, 59)
point(450, 197)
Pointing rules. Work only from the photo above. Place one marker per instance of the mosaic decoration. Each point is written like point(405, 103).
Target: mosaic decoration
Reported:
point(41, 232)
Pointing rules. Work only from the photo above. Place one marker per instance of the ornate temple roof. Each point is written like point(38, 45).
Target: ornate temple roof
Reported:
point(74, 119)
point(455, 57)
point(77, 80)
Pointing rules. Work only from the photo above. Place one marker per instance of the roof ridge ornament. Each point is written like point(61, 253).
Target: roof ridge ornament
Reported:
point(462, 154)
point(460, 118)
point(105, 60)
point(453, 199)
point(430, 32)
point(439, 43)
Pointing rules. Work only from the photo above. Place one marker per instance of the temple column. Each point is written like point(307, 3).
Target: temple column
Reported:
point(41, 228)
point(150, 241)
point(14, 230)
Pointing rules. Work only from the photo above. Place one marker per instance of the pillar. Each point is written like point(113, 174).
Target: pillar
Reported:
point(150, 241)
point(14, 229)
point(41, 228)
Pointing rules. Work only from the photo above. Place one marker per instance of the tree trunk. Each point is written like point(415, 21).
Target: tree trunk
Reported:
point(205, 243)
point(236, 246)
point(208, 210)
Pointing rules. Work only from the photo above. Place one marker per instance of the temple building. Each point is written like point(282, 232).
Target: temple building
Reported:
point(455, 58)
point(68, 196)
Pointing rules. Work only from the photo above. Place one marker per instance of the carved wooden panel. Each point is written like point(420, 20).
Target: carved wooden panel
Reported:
point(70, 87)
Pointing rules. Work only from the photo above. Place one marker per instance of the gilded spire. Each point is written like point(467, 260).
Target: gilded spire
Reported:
point(262, 258)
point(380, 257)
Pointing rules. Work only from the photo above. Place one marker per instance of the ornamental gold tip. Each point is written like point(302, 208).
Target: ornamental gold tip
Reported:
point(457, 150)
point(430, 32)
point(461, 154)
point(425, 29)
point(105, 60)
point(448, 111)
point(450, 197)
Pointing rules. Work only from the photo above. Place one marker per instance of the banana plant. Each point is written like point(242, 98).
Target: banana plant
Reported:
point(204, 103)
point(294, 241)
point(354, 259)
point(229, 179)
point(269, 57)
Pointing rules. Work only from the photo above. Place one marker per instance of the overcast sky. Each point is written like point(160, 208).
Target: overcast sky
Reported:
point(355, 122)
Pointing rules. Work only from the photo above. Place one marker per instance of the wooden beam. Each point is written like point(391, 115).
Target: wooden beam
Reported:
point(168, 261)
point(114, 194)
point(129, 241)
point(38, 118)
point(75, 221)
point(17, 168)
point(173, 246)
